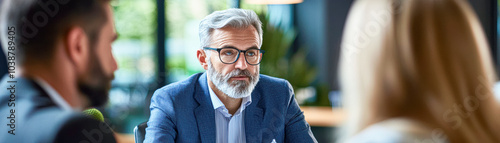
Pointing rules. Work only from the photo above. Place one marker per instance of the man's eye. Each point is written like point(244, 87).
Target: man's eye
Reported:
point(251, 53)
point(228, 53)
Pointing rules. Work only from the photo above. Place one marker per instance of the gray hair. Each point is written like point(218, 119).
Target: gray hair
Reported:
point(236, 18)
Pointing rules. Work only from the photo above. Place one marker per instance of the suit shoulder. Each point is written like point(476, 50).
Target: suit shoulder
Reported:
point(42, 124)
point(274, 86)
point(177, 88)
point(269, 80)
point(167, 95)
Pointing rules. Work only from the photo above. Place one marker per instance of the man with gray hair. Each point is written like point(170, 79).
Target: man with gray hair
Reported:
point(231, 102)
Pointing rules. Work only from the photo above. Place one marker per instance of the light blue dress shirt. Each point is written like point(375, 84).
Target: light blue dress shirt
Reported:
point(229, 128)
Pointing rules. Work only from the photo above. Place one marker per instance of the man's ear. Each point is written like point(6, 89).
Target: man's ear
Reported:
point(201, 55)
point(76, 45)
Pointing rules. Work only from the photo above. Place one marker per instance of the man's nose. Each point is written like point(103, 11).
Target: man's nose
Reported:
point(114, 64)
point(241, 63)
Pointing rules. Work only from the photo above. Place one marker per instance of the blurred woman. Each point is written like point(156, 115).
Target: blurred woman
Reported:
point(417, 71)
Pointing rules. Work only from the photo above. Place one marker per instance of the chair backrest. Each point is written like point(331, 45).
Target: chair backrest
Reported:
point(140, 132)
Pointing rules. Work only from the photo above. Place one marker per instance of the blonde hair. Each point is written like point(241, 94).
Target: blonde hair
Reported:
point(426, 60)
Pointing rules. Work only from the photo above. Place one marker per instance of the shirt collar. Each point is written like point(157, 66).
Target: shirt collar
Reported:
point(215, 100)
point(217, 103)
point(56, 97)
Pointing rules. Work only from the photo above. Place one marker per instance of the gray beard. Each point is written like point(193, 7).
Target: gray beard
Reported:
point(235, 88)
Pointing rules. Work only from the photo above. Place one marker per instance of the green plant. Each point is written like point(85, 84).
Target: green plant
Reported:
point(280, 61)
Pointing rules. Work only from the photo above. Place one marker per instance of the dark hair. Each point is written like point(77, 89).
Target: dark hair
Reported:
point(40, 23)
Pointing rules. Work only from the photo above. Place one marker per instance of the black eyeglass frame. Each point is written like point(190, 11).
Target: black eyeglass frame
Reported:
point(238, 56)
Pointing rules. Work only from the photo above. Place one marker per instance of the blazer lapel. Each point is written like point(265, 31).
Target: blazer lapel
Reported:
point(253, 119)
point(204, 113)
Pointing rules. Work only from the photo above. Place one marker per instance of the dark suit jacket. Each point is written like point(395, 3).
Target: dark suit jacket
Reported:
point(37, 119)
point(183, 112)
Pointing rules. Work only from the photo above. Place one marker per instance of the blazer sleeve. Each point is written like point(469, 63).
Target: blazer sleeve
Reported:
point(161, 128)
point(296, 127)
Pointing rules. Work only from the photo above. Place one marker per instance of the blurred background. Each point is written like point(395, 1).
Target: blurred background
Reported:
point(158, 40)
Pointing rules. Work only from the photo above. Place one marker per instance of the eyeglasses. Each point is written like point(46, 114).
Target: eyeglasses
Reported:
point(230, 55)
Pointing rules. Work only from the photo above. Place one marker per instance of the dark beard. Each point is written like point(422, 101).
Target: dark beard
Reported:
point(96, 84)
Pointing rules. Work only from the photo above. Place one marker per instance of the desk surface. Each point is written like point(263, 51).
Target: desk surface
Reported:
point(323, 116)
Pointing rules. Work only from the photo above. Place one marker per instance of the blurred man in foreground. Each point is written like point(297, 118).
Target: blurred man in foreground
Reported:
point(61, 51)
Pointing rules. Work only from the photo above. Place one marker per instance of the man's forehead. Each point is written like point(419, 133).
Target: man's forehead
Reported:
point(235, 43)
point(238, 33)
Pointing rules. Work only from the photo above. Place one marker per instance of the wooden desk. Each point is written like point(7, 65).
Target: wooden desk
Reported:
point(124, 138)
point(323, 116)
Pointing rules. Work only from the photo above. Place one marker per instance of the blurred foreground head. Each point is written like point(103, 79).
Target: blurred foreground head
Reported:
point(67, 43)
point(423, 60)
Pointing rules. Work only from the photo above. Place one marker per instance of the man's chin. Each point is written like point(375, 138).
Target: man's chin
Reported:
point(238, 92)
point(99, 100)
point(97, 95)
point(239, 96)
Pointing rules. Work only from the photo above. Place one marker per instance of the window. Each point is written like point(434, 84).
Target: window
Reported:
point(134, 50)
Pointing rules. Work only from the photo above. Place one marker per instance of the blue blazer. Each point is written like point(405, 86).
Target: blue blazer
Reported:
point(183, 112)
